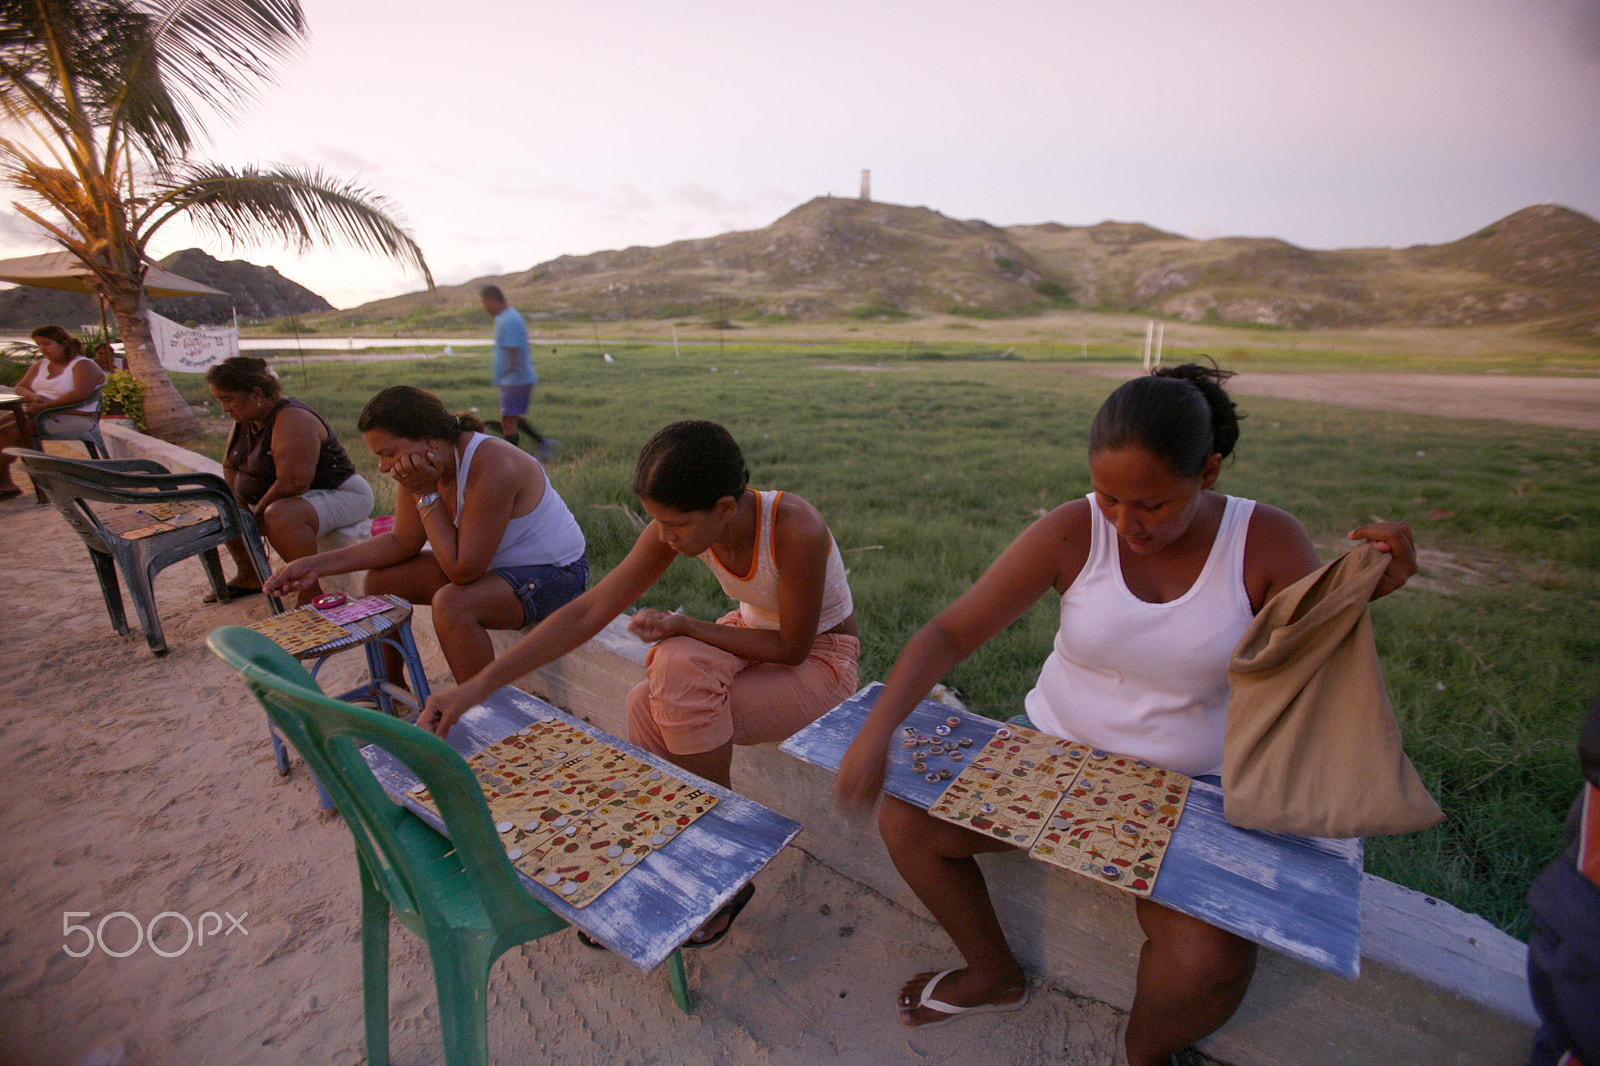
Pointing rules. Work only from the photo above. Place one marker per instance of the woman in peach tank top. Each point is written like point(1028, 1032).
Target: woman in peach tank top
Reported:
point(759, 673)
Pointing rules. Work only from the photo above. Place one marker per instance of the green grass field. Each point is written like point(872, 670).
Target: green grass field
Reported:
point(927, 466)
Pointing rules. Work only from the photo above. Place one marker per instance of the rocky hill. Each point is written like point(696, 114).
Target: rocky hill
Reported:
point(259, 292)
point(838, 258)
point(1541, 264)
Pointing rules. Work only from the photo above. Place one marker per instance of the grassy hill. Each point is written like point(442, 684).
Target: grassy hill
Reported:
point(837, 259)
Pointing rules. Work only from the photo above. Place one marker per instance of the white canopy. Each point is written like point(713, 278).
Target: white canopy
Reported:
point(61, 270)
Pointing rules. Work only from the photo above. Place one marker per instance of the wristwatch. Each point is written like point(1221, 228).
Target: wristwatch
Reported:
point(427, 501)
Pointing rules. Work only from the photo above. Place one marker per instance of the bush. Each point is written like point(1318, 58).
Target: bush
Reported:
point(1056, 293)
point(14, 362)
point(124, 394)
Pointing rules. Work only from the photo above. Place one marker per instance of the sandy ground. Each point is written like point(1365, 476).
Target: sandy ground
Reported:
point(146, 785)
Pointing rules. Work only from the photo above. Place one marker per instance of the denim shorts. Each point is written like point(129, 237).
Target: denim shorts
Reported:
point(544, 588)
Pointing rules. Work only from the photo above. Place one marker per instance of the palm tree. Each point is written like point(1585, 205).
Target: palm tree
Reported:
point(103, 100)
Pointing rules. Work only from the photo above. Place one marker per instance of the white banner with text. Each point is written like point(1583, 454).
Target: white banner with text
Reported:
point(192, 350)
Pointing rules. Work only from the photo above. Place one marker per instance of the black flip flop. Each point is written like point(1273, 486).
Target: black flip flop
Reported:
point(730, 910)
point(234, 593)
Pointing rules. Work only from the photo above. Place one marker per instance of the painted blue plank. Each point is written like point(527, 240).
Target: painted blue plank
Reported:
point(1297, 895)
point(645, 915)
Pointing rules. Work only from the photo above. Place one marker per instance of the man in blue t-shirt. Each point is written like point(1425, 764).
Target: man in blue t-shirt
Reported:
point(513, 371)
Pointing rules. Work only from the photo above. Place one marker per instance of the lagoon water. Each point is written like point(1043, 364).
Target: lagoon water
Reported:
point(322, 342)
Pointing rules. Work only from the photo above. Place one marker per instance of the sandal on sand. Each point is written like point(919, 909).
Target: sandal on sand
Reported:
point(951, 1012)
point(10, 492)
point(729, 910)
point(234, 592)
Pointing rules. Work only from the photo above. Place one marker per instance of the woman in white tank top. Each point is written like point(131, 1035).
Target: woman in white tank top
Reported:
point(480, 534)
point(60, 387)
point(1158, 576)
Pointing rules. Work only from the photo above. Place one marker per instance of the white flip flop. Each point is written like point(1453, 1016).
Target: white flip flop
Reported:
point(951, 1012)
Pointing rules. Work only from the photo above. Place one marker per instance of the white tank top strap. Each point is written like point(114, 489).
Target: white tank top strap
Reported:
point(463, 467)
point(548, 535)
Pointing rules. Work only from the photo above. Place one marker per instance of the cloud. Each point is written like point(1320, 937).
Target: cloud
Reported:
point(704, 198)
point(1584, 32)
point(17, 232)
point(461, 272)
point(342, 161)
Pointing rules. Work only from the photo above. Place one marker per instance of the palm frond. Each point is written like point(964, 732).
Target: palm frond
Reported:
point(300, 206)
point(216, 54)
point(83, 66)
point(148, 71)
point(45, 185)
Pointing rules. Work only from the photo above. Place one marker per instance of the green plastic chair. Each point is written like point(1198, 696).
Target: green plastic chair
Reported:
point(460, 892)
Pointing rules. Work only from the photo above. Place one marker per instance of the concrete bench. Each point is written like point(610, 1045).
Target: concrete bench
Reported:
point(1437, 985)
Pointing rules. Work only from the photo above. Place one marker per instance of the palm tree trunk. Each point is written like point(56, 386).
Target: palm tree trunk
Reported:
point(167, 415)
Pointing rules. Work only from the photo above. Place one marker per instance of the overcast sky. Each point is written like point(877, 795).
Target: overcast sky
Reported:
point(514, 131)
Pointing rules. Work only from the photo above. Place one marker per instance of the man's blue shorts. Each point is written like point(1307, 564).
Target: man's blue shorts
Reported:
point(514, 399)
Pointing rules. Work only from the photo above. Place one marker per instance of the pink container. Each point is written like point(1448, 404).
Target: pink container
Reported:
point(384, 523)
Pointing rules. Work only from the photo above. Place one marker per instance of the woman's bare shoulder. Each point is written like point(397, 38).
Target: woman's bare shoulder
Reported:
point(1273, 525)
point(1072, 526)
point(498, 463)
point(798, 517)
point(1051, 550)
point(1277, 553)
point(300, 421)
point(1068, 524)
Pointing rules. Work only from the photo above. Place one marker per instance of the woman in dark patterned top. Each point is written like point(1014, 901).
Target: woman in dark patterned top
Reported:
point(286, 465)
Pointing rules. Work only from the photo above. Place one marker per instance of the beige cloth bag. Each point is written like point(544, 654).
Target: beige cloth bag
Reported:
point(1311, 745)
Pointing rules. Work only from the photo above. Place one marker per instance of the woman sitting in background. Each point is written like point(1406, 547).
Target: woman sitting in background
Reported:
point(286, 465)
point(479, 533)
point(58, 388)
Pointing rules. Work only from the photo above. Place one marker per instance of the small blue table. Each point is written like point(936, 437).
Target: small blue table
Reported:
point(654, 908)
point(1298, 895)
point(392, 627)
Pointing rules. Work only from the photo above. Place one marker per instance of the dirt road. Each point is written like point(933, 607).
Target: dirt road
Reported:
point(1572, 402)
